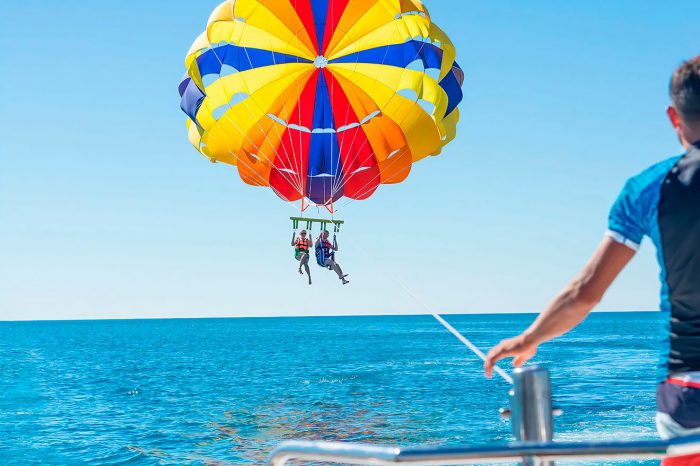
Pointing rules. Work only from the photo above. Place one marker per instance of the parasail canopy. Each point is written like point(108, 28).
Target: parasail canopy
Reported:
point(320, 99)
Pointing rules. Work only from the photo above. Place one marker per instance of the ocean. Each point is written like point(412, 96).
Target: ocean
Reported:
point(227, 391)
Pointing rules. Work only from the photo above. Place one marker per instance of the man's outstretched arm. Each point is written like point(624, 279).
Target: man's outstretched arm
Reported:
point(569, 308)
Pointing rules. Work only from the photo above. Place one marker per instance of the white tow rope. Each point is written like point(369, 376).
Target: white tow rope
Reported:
point(450, 328)
point(471, 346)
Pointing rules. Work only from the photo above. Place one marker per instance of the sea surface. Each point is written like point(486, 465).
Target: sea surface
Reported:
point(226, 391)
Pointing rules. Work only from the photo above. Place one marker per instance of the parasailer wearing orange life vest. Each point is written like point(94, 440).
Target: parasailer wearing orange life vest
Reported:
point(301, 251)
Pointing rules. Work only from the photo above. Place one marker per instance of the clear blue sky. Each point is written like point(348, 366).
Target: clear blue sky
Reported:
point(107, 211)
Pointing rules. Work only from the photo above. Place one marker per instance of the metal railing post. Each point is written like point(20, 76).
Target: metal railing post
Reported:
point(531, 408)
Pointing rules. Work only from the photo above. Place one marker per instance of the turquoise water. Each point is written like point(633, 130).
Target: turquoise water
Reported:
point(225, 391)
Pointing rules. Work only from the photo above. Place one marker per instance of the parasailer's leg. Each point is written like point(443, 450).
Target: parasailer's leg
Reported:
point(304, 260)
point(334, 265)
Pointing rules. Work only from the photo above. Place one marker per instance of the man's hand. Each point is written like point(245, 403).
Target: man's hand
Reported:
point(569, 308)
point(520, 348)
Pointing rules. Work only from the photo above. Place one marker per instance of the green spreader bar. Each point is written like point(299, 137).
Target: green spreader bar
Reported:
point(310, 221)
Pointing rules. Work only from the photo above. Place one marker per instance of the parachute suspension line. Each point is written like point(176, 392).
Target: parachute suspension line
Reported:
point(442, 321)
point(238, 158)
point(376, 78)
point(298, 165)
point(330, 209)
point(340, 181)
point(362, 190)
point(298, 184)
point(242, 160)
point(297, 169)
point(365, 189)
point(290, 203)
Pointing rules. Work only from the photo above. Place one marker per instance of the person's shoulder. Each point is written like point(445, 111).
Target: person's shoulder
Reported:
point(650, 178)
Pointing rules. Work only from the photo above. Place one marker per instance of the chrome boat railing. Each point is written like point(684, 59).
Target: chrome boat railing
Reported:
point(531, 417)
point(523, 452)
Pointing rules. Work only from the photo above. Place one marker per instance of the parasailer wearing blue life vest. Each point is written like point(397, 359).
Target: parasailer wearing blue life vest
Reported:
point(325, 255)
point(662, 203)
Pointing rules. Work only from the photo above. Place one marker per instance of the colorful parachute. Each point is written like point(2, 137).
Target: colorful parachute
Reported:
point(321, 99)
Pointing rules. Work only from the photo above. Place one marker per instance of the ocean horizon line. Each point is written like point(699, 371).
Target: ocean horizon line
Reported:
point(307, 316)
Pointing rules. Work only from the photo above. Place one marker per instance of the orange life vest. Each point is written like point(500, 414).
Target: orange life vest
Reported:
point(302, 244)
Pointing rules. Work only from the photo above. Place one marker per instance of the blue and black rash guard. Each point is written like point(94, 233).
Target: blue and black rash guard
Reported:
point(663, 203)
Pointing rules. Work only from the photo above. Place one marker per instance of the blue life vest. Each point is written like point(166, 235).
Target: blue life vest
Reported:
point(323, 252)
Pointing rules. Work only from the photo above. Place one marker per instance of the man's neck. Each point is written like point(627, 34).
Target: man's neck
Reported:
point(691, 138)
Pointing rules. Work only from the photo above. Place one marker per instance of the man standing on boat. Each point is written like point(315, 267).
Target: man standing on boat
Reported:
point(663, 203)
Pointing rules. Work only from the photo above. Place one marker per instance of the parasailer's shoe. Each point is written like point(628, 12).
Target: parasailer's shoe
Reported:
point(345, 282)
point(309, 280)
point(300, 272)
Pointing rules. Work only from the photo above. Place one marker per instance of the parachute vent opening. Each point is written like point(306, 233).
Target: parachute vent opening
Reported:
point(434, 73)
point(418, 65)
point(361, 169)
point(410, 94)
point(410, 13)
point(393, 153)
point(324, 130)
point(276, 118)
point(235, 99)
point(288, 125)
point(429, 107)
point(366, 119)
point(227, 70)
point(299, 128)
point(209, 79)
point(320, 61)
point(347, 127)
